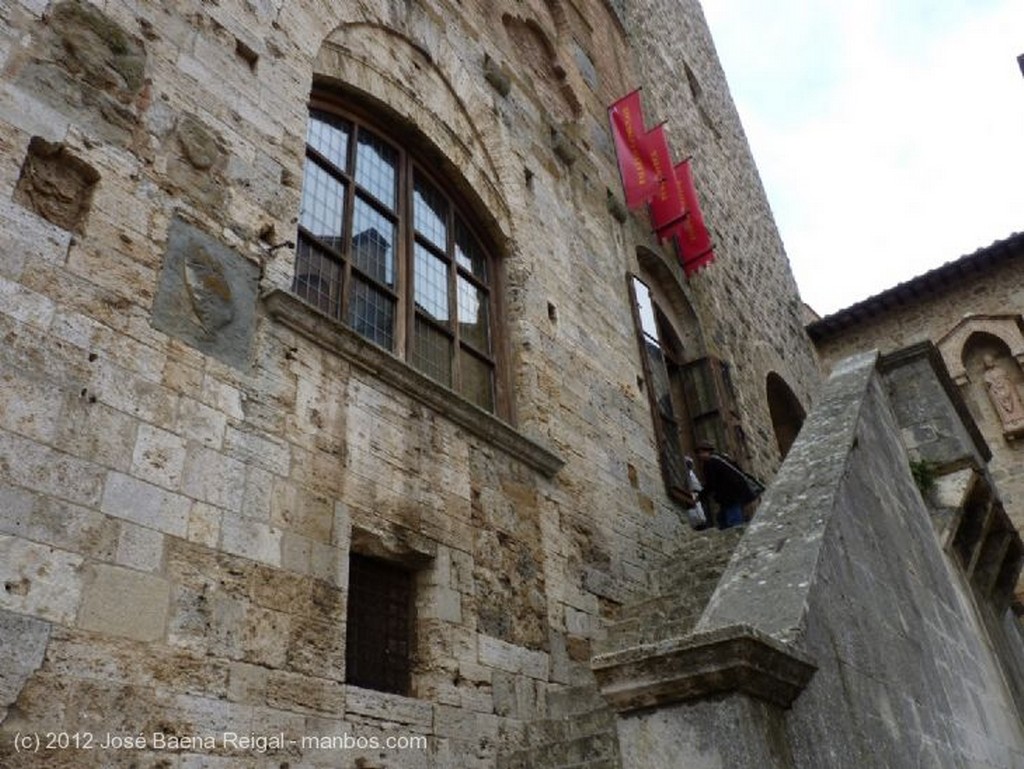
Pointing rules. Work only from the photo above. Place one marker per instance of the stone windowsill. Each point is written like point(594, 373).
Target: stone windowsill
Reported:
point(306, 320)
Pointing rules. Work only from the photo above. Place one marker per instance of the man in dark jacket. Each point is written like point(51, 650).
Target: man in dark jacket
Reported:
point(726, 483)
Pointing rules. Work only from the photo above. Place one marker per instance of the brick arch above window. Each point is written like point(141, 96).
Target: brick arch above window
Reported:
point(394, 252)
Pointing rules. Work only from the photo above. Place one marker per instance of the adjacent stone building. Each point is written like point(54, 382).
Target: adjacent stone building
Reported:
point(343, 406)
point(971, 309)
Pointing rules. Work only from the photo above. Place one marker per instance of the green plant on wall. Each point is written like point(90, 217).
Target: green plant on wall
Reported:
point(924, 473)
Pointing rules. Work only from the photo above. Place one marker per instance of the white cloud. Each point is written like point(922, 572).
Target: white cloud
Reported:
point(909, 154)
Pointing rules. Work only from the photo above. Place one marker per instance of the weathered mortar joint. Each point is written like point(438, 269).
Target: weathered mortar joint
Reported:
point(733, 659)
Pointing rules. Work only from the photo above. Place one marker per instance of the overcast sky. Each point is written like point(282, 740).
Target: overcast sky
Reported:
point(889, 133)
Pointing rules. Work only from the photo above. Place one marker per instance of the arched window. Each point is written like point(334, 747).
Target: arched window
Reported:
point(389, 250)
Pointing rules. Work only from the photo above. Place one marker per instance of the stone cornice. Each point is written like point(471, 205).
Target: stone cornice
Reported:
point(735, 659)
point(292, 312)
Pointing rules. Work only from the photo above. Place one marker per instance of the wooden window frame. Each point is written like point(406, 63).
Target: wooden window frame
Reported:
point(701, 386)
point(460, 219)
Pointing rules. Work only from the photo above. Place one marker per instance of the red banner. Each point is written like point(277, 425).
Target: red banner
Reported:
point(668, 205)
point(645, 164)
point(693, 241)
point(639, 180)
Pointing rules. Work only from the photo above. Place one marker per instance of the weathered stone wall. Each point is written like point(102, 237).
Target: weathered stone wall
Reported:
point(748, 302)
point(986, 300)
point(185, 466)
point(842, 633)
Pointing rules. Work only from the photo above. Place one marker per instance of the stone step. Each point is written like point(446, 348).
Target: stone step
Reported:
point(685, 599)
point(564, 701)
point(691, 565)
point(647, 634)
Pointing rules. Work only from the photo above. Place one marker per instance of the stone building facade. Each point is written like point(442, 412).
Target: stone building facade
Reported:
point(341, 396)
point(971, 309)
point(208, 413)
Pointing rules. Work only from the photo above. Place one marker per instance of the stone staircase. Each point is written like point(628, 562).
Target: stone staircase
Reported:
point(683, 586)
point(578, 734)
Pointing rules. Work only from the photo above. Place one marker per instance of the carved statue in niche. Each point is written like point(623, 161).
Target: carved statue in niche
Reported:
point(1005, 398)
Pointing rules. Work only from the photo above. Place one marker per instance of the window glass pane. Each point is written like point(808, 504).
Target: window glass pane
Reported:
point(430, 284)
point(473, 323)
point(432, 352)
point(323, 204)
point(430, 213)
point(646, 308)
point(373, 242)
point(371, 313)
point(477, 378)
point(317, 277)
point(468, 252)
point(329, 135)
point(375, 168)
point(660, 382)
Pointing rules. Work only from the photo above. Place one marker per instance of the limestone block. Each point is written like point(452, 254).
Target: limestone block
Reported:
point(125, 391)
point(204, 524)
point(147, 505)
point(140, 548)
point(124, 602)
point(441, 603)
point(34, 117)
point(24, 639)
point(199, 715)
point(305, 694)
point(26, 463)
point(201, 423)
point(259, 485)
point(97, 432)
point(24, 305)
point(254, 449)
point(317, 648)
point(296, 553)
point(222, 396)
point(251, 539)
point(388, 707)
point(29, 407)
point(247, 683)
point(159, 457)
point(214, 477)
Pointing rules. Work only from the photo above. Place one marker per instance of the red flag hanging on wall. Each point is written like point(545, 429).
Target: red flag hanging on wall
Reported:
point(693, 241)
point(632, 149)
point(667, 205)
point(645, 164)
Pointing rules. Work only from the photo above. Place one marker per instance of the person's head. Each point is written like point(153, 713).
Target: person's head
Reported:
point(705, 449)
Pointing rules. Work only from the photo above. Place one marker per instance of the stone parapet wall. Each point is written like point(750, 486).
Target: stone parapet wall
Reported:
point(844, 632)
